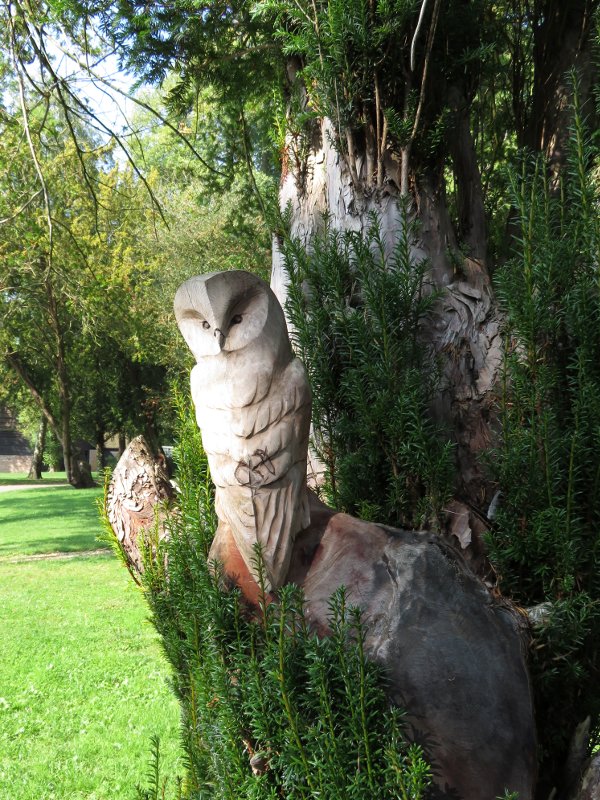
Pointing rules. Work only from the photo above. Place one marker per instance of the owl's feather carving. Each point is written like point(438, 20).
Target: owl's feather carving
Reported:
point(252, 403)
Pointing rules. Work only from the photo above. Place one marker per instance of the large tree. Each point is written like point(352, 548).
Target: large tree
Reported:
point(388, 99)
point(409, 110)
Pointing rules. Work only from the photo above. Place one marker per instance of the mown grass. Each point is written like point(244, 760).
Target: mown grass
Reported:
point(48, 520)
point(83, 684)
point(11, 478)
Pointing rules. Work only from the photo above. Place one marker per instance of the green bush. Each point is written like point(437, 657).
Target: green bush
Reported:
point(268, 709)
point(356, 314)
point(545, 543)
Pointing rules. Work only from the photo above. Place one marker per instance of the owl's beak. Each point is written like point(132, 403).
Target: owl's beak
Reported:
point(220, 337)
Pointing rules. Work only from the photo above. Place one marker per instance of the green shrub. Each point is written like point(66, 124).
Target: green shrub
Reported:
point(268, 709)
point(545, 543)
point(356, 314)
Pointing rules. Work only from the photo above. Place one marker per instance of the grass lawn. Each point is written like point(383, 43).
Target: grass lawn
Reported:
point(83, 684)
point(8, 478)
point(59, 518)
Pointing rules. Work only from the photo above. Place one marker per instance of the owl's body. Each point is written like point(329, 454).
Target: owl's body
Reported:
point(253, 408)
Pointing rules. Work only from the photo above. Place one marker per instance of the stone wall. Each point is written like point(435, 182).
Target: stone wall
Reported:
point(15, 463)
point(15, 452)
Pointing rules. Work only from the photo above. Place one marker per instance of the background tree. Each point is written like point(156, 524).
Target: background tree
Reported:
point(100, 230)
point(66, 304)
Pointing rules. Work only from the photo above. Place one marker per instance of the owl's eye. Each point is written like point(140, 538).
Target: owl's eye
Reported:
point(205, 325)
point(236, 320)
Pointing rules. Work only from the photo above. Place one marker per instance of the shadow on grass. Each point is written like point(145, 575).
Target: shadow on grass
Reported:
point(63, 520)
point(66, 544)
point(48, 479)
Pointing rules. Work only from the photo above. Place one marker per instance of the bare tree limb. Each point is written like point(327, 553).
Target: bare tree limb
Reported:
point(413, 44)
point(15, 363)
point(407, 149)
point(114, 88)
point(27, 129)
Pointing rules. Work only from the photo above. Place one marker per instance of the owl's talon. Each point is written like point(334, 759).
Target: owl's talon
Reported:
point(253, 475)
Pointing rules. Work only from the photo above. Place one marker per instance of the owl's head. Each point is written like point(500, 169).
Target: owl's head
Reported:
point(226, 311)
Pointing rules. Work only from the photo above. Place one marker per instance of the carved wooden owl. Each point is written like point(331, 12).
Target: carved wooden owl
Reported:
point(253, 404)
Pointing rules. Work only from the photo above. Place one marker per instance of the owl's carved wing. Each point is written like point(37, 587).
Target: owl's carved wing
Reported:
point(290, 394)
point(261, 495)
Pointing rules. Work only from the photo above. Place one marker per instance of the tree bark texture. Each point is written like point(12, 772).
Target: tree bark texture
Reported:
point(463, 332)
point(137, 495)
point(35, 471)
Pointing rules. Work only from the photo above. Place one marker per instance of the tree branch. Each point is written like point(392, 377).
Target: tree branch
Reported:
point(15, 363)
point(25, 112)
point(406, 150)
point(114, 88)
point(413, 44)
point(249, 165)
point(21, 209)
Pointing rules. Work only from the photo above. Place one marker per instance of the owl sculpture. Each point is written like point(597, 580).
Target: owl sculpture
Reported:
point(253, 404)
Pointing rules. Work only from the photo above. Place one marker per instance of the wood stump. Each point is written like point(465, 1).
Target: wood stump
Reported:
point(138, 494)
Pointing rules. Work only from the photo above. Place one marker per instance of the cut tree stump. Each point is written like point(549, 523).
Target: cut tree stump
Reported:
point(135, 504)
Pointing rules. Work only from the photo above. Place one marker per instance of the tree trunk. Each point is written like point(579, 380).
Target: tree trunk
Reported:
point(100, 438)
point(463, 332)
point(71, 465)
point(74, 476)
point(14, 362)
point(563, 41)
point(469, 190)
point(35, 470)
point(336, 177)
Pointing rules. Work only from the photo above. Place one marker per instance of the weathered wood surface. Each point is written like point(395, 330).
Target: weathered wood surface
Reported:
point(589, 788)
point(137, 493)
point(464, 329)
point(455, 656)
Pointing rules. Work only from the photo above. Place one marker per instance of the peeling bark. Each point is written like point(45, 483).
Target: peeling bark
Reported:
point(137, 496)
point(463, 331)
point(327, 185)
